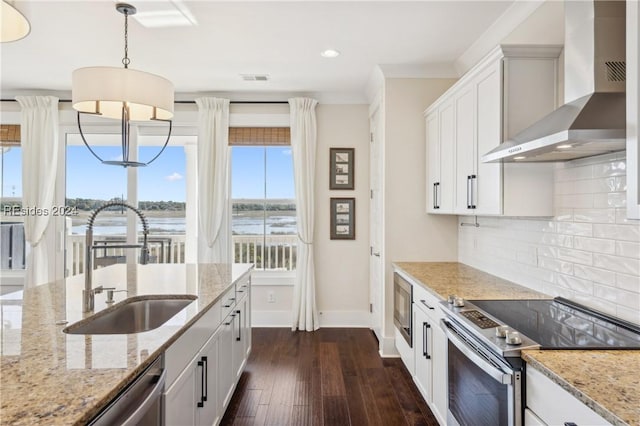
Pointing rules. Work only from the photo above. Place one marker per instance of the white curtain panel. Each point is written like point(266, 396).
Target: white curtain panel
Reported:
point(303, 147)
point(214, 242)
point(39, 142)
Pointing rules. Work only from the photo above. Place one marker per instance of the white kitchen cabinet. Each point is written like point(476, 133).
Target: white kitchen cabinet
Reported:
point(440, 156)
point(195, 390)
point(180, 398)
point(240, 335)
point(202, 374)
point(430, 352)
point(548, 404)
point(226, 374)
point(426, 361)
point(466, 152)
point(510, 89)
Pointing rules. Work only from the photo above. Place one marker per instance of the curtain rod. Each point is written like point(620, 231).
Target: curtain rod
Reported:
point(183, 102)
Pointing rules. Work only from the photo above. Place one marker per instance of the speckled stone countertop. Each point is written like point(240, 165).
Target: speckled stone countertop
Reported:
point(49, 377)
point(445, 278)
point(606, 381)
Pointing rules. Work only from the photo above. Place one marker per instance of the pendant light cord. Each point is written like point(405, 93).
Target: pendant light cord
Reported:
point(126, 61)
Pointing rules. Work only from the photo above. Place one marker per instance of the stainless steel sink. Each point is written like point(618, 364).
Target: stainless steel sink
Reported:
point(132, 315)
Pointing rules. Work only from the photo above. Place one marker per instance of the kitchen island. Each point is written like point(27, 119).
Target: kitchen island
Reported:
point(607, 381)
point(49, 377)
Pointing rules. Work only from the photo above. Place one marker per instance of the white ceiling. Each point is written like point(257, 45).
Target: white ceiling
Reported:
point(281, 39)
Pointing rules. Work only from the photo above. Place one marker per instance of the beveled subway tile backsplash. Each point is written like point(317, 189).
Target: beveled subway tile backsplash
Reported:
point(589, 252)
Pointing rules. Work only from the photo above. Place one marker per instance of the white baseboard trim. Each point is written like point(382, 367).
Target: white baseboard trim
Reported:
point(388, 348)
point(339, 319)
point(271, 319)
point(344, 319)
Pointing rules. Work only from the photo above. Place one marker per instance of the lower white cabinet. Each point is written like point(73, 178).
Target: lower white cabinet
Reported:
point(430, 352)
point(203, 388)
point(549, 404)
point(192, 398)
point(426, 360)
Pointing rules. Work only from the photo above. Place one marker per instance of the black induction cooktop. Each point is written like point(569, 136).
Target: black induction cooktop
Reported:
point(563, 324)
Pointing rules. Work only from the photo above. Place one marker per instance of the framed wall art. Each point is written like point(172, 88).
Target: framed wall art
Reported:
point(343, 218)
point(341, 165)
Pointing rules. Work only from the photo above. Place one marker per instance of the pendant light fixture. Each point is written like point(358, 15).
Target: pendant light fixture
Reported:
point(123, 94)
point(14, 25)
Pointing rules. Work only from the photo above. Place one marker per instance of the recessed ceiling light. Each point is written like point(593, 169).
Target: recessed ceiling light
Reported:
point(521, 157)
point(566, 146)
point(330, 53)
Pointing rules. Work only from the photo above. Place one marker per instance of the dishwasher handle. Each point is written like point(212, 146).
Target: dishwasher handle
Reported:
point(152, 397)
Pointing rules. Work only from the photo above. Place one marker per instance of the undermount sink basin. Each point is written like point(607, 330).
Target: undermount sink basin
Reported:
point(132, 315)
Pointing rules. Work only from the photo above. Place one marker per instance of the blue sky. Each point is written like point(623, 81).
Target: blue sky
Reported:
point(164, 179)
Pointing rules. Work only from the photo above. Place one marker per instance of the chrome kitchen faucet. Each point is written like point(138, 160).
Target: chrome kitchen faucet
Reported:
point(88, 294)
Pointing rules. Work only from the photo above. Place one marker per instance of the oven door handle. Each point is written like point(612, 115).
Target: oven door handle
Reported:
point(495, 373)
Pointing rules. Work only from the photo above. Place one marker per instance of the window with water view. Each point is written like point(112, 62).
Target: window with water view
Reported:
point(264, 212)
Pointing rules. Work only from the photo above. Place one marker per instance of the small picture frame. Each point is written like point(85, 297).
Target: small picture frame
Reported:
point(341, 164)
point(343, 218)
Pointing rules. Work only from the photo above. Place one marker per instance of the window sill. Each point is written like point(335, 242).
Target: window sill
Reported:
point(272, 278)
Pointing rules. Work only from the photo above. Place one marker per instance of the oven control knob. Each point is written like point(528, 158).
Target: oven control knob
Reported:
point(451, 298)
point(458, 302)
point(513, 338)
point(501, 331)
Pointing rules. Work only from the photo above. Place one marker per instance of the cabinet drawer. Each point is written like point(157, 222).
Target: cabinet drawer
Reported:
point(228, 301)
point(554, 405)
point(426, 301)
point(178, 355)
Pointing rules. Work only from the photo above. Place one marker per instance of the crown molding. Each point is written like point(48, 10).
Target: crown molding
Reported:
point(501, 28)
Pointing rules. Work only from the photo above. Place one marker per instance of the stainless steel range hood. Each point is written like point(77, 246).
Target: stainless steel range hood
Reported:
point(592, 122)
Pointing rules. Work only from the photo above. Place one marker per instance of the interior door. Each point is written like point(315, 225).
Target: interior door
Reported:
point(375, 225)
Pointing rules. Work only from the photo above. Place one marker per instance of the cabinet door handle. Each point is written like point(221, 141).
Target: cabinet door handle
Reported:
point(233, 317)
point(570, 424)
point(239, 325)
point(425, 304)
point(425, 348)
point(205, 385)
point(436, 195)
point(473, 195)
point(468, 192)
point(201, 402)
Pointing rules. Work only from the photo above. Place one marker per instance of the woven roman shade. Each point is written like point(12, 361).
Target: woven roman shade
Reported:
point(9, 135)
point(259, 136)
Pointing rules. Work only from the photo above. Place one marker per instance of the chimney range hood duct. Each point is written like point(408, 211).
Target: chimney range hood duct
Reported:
point(592, 122)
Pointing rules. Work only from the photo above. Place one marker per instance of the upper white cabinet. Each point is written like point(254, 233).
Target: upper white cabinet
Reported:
point(440, 158)
point(506, 92)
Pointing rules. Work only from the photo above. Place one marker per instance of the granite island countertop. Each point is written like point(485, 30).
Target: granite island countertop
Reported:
point(49, 377)
point(607, 381)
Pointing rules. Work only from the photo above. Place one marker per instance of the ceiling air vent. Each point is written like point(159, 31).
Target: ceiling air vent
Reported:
point(254, 77)
point(616, 70)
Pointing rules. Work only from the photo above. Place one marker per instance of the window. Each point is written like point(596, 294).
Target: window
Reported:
point(161, 192)
point(263, 211)
point(12, 243)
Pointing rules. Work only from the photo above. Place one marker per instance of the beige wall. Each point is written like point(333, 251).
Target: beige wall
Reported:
point(410, 233)
point(342, 266)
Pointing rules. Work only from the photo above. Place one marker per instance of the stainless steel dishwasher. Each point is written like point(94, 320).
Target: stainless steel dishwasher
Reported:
point(140, 403)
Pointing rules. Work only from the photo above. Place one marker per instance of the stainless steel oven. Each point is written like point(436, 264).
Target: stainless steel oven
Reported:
point(484, 389)
point(486, 337)
point(402, 307)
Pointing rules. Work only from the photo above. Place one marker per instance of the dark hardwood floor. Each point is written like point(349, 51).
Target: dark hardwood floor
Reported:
point(333, 376)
